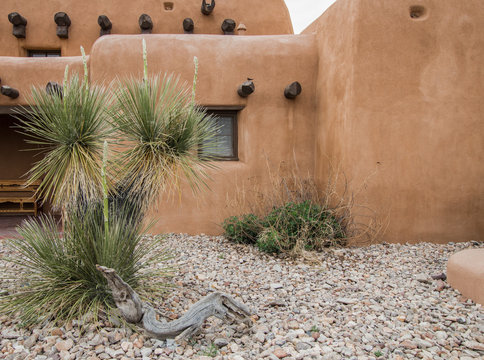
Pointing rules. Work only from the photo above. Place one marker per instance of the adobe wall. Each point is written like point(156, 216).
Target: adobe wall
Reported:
point(270, 126)
point(400, 103)
point(394, 101)
point(260, 17)
point(23, 73)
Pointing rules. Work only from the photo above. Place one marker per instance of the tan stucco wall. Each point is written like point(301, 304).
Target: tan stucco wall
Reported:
point(270, 126)
point(23, 73)
point(400, 101)
point(266, 17)
point(391, 100)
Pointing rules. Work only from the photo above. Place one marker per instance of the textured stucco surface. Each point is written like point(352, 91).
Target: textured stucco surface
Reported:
point(400, 109)
point(465, 272)
point(393, 101)
point(268, 17)
point(269, 127)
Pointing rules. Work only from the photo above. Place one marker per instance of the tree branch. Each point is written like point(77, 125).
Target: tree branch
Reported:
point(137, 312)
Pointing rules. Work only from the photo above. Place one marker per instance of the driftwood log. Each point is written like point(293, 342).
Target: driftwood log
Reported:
point(135, 311)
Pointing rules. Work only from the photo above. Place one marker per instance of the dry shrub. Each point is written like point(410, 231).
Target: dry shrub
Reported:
point(292, 213)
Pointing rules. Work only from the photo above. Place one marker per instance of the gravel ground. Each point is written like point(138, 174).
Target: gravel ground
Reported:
point(377, 302)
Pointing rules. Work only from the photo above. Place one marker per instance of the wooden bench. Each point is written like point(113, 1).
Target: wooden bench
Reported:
point(16, 197)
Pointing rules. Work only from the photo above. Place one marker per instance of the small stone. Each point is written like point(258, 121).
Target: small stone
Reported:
point(440, 276)
point(293, 324)
point(422, 278)
point(96, 340)
point(315, 335)
point(126, 345)
point(31, 340)
point(440, 285)
point(64, 345)
point(138, 343)
point(474, 345)
point(423, 344)
point(277, 268)
point(10, 335)
point(220, 342)
point(441, 335)
point(407, 344)
point(346, 301)
point(300, 346)
point(260, 337)
point(277, 303)
point(56, 332)
point(276, 286)
point(280, 353)
point(145, 352)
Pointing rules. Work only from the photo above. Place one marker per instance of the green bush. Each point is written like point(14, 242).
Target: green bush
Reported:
point(243, 230)
point(269, 241)
point(291, 227)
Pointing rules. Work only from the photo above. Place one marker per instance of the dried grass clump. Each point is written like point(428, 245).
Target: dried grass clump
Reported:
point(294, 214)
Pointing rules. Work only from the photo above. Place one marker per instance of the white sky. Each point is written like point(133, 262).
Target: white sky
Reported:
point(304, 12)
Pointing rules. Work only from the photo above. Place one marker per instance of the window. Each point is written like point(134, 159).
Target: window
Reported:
point(43, 53)
point(226, 148)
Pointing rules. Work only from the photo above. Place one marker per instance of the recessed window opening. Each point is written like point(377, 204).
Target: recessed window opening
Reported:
point(417, 12)
point(168, 6)
point(226, 148)
point(43, 53)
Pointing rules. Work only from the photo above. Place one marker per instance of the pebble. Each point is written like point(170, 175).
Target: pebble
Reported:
point(220, 342)
point(385, 298)
point(64, 345)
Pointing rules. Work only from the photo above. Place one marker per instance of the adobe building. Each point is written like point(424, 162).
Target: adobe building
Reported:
point(392, 92)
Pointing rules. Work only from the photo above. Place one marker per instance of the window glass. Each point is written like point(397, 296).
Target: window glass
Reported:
point(226, 147)
point(43, 53)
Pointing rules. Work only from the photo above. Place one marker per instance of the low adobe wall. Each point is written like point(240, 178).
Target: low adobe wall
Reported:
point(400, 107)
point(269, 126)
point(23, 73)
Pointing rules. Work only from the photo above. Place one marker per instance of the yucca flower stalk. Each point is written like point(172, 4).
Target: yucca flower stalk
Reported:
point(105, 191)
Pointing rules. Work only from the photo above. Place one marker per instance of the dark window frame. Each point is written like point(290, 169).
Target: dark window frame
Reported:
point(33, 52)
point(232, 112)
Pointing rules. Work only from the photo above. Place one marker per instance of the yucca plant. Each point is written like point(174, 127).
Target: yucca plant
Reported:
point(58, 278)
point(163, 133)
point(158, 131)
point(69, 127)
point(166, 137)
